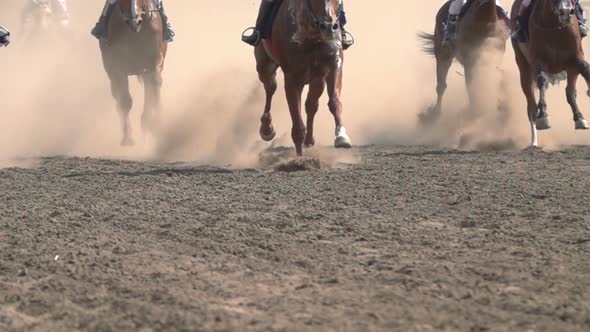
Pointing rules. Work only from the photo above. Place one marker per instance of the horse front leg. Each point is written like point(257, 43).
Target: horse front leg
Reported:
point(120, 91)
point(312, 104)
point(542, 120)
point(293, 90)
point(152, 101)
point(571, 95)
point(526, 83)
point(334, 84)
point(267, 74)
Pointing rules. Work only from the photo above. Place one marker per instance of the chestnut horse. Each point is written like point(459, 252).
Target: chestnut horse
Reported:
point(478, 24)
point(306, 44)
point(135, 46)
point(554, 52)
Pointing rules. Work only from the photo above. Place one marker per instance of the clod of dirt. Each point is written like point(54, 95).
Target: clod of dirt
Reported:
point(298, 165)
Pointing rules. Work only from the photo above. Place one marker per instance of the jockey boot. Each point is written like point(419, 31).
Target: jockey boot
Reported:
point(168, 32)
point(263, 13)
point(451, 31)
point(101, 28)
point(347, 38)
point(520, 30)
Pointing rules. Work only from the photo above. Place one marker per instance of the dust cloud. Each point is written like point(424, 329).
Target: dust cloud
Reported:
point(55, 97)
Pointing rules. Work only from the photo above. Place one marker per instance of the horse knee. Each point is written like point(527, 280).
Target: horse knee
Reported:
point(312, 106)
point(334, 105)
point(441, 88)
point(125, 103)
point(542, 82)
point(271, 86)
point(583, 68)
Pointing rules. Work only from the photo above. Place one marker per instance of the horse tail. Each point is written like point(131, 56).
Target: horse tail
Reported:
point(427, 42)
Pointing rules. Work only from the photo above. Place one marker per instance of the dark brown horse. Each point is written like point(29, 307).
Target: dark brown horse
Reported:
point(479, 25)
point(554, 52)
point(135, 46)
point(306, 44)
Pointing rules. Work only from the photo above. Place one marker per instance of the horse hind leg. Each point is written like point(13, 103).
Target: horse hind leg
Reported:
point(267, 73)
point(120, 91)
point(542, 120)
point(152, 101)
point(312, 104)
point(571, 95)
point(443, 64)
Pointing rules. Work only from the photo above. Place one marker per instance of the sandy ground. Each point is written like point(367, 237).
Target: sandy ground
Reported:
point(409, 239)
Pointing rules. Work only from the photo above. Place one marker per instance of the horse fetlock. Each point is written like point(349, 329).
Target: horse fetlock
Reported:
point(441, 88)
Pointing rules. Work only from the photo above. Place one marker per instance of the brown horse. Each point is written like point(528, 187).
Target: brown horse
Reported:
point(479, 25)
point(306, 43)
point(554, 52)
point(135, 46)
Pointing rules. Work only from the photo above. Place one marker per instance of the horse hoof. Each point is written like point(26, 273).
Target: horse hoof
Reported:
point(582, 124)
point(543, 123)
point(269, 137)
point(342, 142)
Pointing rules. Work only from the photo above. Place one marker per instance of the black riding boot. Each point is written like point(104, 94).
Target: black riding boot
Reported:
point(101, 28)
point(451, 31)
point(263, 14)
point(168, 32)
point(520, 31)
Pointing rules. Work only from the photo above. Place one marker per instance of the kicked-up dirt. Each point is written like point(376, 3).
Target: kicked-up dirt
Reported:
point(405, 239)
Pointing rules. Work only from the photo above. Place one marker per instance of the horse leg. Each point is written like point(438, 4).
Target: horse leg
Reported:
point(312, 104)
point(526, 83)
point(267, 73)
point(443, 64)
point(542, 121)
point(293, 90)
point(334, 84)
point(120, 91)
point(571, 94)
point(152, 102)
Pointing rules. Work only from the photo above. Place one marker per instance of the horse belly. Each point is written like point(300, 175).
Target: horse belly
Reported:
point(131, 59)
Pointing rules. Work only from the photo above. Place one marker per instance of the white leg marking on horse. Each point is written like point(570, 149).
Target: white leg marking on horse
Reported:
point(342, 139)
point(534, 138)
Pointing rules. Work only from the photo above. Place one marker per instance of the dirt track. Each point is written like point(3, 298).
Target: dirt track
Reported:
point(408, 239)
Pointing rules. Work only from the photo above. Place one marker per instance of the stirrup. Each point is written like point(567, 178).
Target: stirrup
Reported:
point(347, 39)
point(253, 38)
